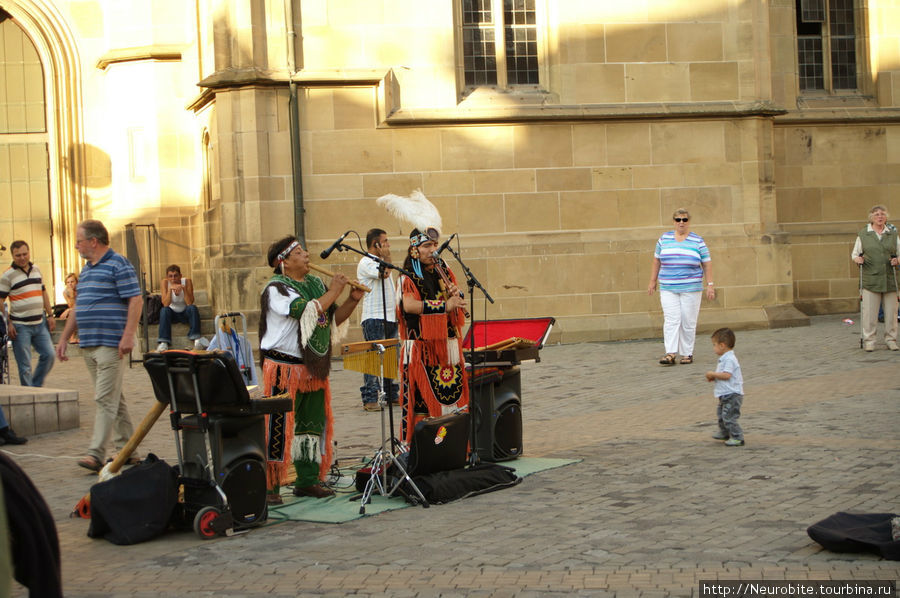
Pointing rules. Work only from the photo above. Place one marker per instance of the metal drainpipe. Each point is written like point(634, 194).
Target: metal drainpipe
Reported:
point(294, 117)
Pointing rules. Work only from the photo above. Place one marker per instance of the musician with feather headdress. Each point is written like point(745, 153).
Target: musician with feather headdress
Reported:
point(430, 315)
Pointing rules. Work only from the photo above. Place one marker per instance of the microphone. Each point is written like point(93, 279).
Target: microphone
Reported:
point(324, 255)
point(445, 244)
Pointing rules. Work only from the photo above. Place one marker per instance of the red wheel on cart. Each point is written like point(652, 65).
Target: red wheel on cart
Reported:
point(204, 522)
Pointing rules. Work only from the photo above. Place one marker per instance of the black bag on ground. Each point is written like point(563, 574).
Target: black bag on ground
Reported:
point(136, 505)
point(857, 532)
point(152, 306)
point(446, 486)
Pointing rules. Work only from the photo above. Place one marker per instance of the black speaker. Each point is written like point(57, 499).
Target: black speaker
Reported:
point(238, 456)
point(497, 406)
point(232, 438)
point(244, 484)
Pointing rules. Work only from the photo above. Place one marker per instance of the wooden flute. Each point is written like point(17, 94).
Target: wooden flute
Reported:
point(330, 274)
point(445, 278)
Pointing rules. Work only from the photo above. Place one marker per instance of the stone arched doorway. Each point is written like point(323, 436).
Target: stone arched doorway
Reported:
point(41, 165)
point(24, 160)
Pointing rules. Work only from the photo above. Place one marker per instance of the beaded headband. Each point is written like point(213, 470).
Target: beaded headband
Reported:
point(283, 255)
point(416, 238)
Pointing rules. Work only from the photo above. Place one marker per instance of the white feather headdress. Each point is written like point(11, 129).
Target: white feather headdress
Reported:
point(415, 210)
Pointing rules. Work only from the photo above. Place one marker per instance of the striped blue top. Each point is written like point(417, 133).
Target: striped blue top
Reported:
point(680, 269)
point(101, 307)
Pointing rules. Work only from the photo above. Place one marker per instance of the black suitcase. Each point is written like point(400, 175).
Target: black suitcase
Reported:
point(439, 444)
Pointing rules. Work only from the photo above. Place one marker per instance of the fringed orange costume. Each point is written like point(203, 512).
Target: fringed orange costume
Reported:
point(432, 368)
point(298, 383)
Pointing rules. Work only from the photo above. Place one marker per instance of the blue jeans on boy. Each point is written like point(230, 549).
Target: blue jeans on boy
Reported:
point(373, 330)
point(190, 316)
point(729, 411)
point(37, 336)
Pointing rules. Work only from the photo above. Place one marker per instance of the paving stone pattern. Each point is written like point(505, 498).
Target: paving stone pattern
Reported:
point(654, 506)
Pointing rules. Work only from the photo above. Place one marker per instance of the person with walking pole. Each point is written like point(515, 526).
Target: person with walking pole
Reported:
point(875, 252)
point(859, 267)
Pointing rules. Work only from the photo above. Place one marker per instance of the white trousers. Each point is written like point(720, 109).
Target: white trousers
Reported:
point(680, 326)
point(869, 316)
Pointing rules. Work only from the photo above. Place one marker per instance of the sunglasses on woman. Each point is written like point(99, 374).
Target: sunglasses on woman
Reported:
point(681, 219)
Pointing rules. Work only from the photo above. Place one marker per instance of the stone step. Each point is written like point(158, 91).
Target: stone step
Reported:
point(179, 341)
point(33, 411)
point(179, 333)
point(207, 329)
point(201, 299)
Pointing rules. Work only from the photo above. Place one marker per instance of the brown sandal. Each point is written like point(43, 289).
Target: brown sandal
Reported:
point(668, 359)
point(90, 462)
point(687, 359)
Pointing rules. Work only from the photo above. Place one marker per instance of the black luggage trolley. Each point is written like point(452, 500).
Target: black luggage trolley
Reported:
point(220, 437)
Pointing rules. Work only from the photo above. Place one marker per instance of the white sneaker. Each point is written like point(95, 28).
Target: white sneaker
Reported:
point(201, 344)
point(162, 347)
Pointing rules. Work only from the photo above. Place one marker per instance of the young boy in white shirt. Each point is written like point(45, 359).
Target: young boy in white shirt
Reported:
point(729, 388)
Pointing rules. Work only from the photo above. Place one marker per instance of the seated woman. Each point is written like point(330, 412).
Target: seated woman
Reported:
point(69, 294)
point(64, 310)
point(178, 306)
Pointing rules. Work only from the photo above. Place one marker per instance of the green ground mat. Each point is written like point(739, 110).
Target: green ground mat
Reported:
point(339, 508)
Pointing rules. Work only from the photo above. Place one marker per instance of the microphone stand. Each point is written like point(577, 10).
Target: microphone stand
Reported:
point(382, 462)
point(383, 266)
point(382, 394)
point(471, 283)
point(374, 258)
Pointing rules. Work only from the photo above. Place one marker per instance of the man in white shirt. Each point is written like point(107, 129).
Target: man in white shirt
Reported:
point(379, 317)
point(178, 306)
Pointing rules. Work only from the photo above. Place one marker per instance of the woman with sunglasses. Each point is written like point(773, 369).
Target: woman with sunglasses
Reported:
point(680, 261)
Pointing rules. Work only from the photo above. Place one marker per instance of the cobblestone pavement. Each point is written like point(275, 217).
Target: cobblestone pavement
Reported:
point(654, 506)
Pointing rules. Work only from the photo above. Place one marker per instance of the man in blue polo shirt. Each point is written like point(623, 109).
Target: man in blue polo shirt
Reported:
point(107, 310)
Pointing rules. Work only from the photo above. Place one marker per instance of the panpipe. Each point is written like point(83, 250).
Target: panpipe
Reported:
point(513, 342)
point(506, 343)
point(363, 357)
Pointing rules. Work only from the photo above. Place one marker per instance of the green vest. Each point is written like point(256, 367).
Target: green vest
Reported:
point(877, 273)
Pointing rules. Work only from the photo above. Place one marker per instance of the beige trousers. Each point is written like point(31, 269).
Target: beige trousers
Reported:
point(111, 420)
point(869, 316)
